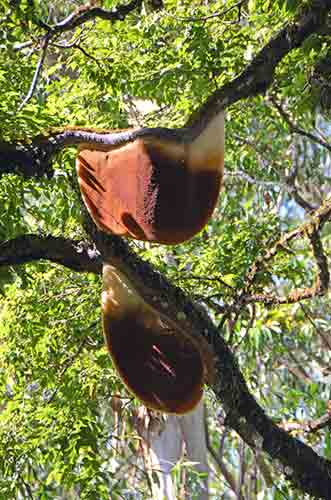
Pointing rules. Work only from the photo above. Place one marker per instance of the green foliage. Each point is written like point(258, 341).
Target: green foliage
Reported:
point(56, 379)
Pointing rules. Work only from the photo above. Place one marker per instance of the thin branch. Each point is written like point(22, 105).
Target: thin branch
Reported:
point(206, 278)
point(325, 337)
point(308, 426)
point(297, 372)
point(223, 13)
point(80, 17)
point(251, 180)
point(292, 188)
point(323, 277)
point(21, 46)
point(297, 130)
point(218, 460)
point(68, 363)
point(242, 470)
point(318, 219)
point(286, 186)
point(87, 54)
point(312, 231)
point(34, 83)
point(75, 19)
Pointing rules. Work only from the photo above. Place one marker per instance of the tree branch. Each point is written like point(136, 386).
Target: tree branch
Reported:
point(34, 83)
point(312, 228)
point(309, 425)
point(297, 130)
point(258, 76)
point(254, 80)
point(76, 255)
point(80, 17)
point(306, 470)
point(203, 19)
point(74, 20)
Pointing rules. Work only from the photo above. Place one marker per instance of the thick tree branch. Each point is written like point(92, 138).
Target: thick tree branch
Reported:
point(301, 464)
point(254, 80)
point(258, 76)
point(77, 255)
point(308, 471)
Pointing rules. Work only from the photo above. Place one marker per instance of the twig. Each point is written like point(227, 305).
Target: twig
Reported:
point(68, 363)
point(251, 180)
point(308, 426)
point(44, 46)
point(211, 16)
point(323, 274)
point(78, 17)
point(242, 470)
point(23, 45)
point(218, 460)
point(297, 370)
point(293, 190)
point(206, 278)
point(87, 54)
point(297, 130)
point(318, 219)
point(287, 186)
point(326, 340)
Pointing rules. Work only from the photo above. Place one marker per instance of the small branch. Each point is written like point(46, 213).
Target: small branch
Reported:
point(297, 372)
point(308, 426)
point(76, 44)
point(311, 230)
point(72, 21)
point(242, 470)
point(80, 17)
point(251, 180)
point(323, 274)
point(297, 130)
point(67, 364)
point(211, 16)
point(318, 219)
point(34, 83)
point(76, 255)
point(325, 337)
point(293, 190)
point(286, 186)
point(21, 46)
point(218, 460)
